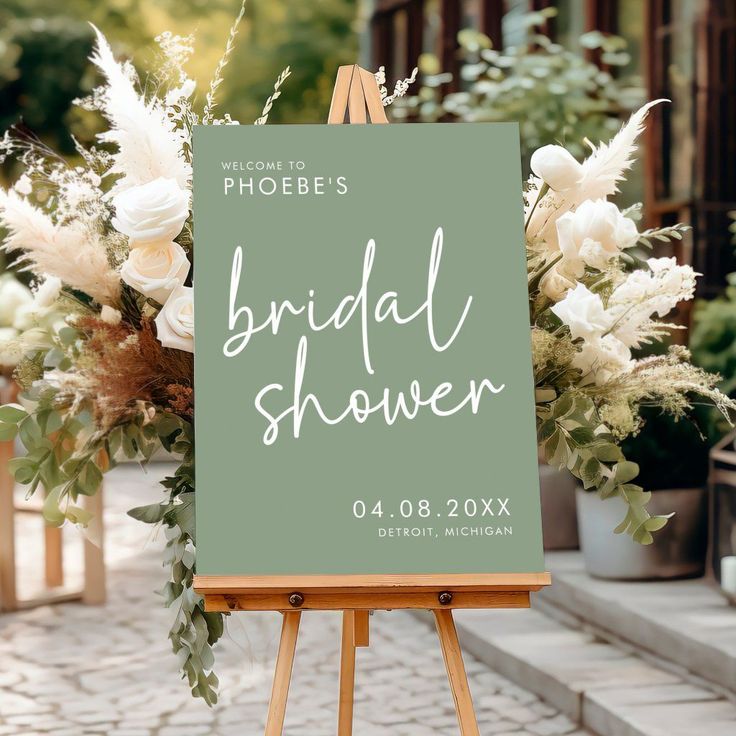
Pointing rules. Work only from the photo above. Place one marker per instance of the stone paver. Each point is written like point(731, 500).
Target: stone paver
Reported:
point(609, 690)
point(76, 670)
point(698, 632)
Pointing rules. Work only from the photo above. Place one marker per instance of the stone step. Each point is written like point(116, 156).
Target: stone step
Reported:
point(686, 622)
point(605, 689)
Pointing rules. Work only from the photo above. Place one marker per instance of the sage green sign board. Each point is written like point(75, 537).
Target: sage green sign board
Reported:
point(364, 391)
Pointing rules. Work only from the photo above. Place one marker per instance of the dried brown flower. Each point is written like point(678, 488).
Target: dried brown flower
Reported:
point(182, 400)
point(124, 366)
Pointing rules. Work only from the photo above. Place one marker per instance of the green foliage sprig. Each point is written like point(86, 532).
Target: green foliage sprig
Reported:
point(572, 436)
point(194, 631)
point(55, 463)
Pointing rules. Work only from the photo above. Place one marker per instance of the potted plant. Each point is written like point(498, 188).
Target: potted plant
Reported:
point(557, 496)
point(673, 465)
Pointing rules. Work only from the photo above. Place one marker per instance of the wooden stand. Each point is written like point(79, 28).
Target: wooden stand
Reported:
point(355, 634)
point(357, 595)
point(93, 591)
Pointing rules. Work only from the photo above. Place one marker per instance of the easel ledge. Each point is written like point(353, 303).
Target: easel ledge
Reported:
point(362, 592)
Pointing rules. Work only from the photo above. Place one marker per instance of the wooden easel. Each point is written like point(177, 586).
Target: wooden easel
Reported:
point(93, 591)
point(357, 595)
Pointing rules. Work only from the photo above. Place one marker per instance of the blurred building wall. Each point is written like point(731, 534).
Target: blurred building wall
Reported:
point(684, 49)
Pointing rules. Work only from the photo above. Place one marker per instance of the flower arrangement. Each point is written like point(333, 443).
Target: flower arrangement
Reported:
point(593, 302)
point(104, 349)
point(105, 359)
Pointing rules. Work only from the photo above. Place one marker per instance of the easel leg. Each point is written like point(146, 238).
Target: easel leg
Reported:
point(347, 675)
point(354, 634)
point(8, 600)
point(94, 592)
point(282, 675)
point(456, 672)
point(54, 557)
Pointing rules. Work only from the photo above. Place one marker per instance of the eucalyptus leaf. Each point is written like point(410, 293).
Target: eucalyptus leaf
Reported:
point(23, 469)
point(12, 414)
point(625, 471)
point(150, 514)
point(582, 436)
point(8, 432)
point(78, 515)
point(51, 510)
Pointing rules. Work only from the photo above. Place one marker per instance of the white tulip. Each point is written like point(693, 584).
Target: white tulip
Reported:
point(592, 235)
point(150, 212)
point(13, 296)
point(175, 321)
point(583, 312)
point(156, 269)
point(557, 167)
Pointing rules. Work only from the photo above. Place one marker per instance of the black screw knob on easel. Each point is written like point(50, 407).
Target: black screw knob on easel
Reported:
point(445, 598)
point(296, 600)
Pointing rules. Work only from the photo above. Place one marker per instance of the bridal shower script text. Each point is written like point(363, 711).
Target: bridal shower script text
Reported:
point(442, 401)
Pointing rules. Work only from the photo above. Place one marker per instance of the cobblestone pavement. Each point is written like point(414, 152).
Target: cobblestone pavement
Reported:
point(72, 670)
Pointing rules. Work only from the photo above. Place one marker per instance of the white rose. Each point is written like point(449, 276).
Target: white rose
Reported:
point(555, 285)
point(175, 322)
point(156, 269)
point(583, 312)
point(13, 296)
point(557, 167)
point(151, 212)
point(592, 235)
point(10, 352)
point(600, 358)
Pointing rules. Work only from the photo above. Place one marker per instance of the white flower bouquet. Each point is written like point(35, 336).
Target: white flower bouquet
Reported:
point(103, 346)
point(593, 301)
point(104, 356)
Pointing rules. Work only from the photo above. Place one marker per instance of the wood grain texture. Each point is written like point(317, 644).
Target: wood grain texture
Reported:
point(282, 675)
point(453, 657)
point(54, 556)
point(347, 675)
point(340, 94)
point(356, 99)
point(8, 590)
point(362, 628)
point(94, 592)
point(363, 600)
point(325, 583)
point(8, 597)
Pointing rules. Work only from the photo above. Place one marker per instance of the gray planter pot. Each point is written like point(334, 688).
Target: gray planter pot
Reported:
point(678, 550)
point(559, 519)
